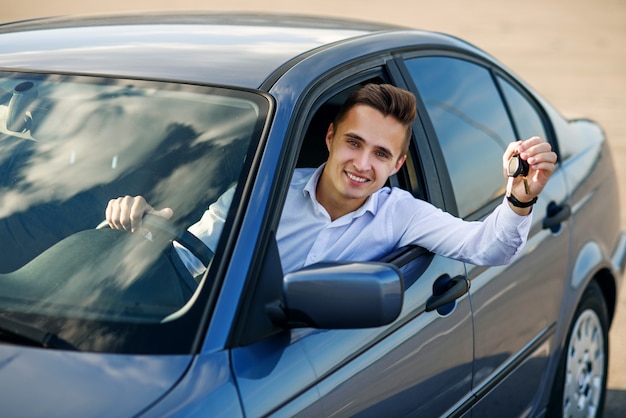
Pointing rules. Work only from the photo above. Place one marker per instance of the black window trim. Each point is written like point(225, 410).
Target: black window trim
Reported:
point(541, 111)
point(449, 200)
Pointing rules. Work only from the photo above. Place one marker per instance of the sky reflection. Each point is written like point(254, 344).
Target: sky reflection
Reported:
point(86, 143)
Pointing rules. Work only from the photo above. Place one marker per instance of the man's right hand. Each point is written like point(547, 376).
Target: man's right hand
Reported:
point(127, 212)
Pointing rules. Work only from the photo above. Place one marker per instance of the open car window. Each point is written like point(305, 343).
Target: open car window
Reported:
point(313, 152)
point(68, 144)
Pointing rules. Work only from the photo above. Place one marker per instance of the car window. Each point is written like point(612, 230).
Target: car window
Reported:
point(68, 145)
point(313, 153)
point(471, 123)
point(527, 120)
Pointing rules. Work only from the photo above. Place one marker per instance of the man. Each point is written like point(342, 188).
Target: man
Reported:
point(341, 211)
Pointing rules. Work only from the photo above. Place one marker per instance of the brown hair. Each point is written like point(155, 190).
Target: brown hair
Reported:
point(388, 100)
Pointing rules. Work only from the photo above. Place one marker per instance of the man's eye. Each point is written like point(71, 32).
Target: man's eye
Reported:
point(381, 154)
point(353, 143)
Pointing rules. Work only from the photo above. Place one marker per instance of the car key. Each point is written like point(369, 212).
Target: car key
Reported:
point(526, 188)
point(517, 167)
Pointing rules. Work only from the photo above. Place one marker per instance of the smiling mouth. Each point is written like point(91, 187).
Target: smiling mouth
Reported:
point(356, 178)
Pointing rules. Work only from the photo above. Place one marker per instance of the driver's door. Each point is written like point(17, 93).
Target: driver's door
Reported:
point(420, 365)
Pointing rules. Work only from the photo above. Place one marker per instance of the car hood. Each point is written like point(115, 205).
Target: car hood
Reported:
point(54, 383)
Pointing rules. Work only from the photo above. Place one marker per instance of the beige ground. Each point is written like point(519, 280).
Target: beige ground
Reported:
point(572, 51)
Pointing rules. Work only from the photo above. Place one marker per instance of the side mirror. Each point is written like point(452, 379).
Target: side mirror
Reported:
point(18, 119)
point(342, 295)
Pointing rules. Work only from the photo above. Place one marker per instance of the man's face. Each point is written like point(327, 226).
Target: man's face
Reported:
point(364, 150)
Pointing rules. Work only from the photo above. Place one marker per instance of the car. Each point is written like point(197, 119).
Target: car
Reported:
point(185, 108)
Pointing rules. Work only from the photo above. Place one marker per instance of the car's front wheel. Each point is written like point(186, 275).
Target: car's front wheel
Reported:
point(580, 385)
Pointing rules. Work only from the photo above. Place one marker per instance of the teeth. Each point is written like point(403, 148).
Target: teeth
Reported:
point(357, 179)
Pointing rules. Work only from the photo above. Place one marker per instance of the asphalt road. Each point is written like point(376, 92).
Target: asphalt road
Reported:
point(572, 51)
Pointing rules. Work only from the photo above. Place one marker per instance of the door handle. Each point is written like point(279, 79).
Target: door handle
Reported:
point(447, 289)
point(556, 214)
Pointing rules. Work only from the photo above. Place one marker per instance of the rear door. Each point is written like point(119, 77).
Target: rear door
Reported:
point(474, 112)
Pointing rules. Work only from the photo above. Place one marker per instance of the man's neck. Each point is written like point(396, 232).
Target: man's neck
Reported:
point(336, 206)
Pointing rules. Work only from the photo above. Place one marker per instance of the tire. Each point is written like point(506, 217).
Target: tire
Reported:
point(580, 384)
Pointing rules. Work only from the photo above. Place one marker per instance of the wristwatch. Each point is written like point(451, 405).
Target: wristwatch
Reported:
point(519, 204)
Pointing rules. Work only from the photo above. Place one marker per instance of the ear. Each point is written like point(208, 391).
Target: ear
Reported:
point(399, 163)
point(330, 133)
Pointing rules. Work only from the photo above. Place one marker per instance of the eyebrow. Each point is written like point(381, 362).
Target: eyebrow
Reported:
point(378, 147)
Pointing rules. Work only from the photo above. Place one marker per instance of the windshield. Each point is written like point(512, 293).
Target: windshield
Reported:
point(68, 145)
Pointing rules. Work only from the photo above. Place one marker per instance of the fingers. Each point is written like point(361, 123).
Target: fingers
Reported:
point(511, 149)
point(126, 212)
point(166, 213)
point(538, 154)
point(542, 163)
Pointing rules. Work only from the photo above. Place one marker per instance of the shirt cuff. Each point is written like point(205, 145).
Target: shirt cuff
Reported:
point(509, 217)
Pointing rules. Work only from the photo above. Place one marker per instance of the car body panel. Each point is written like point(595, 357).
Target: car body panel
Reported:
point(590, 174)
point(619, 254)
point(207, 386)
point(195, 57)
point(326, 358)
point(423, 367)
point(169, 48)
point(502, 304)
point(34, 381)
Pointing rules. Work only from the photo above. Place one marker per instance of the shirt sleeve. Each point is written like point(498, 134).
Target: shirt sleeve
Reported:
point(496, 240)
point(208, 229)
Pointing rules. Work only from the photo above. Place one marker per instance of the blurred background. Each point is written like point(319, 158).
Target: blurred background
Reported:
point(572, 51)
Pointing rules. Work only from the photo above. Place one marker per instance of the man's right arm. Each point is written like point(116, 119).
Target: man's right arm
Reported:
point(126, 213)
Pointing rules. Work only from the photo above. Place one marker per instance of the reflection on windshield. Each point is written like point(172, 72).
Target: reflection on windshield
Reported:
point(67, 146)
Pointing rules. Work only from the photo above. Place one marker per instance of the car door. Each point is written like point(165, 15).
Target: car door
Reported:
point(420, 365)
point(475, 113)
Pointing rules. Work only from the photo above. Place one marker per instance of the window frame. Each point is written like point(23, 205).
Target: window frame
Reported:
point(532, 101)
point(187, 324)
point(264, 286)
point(449, 198)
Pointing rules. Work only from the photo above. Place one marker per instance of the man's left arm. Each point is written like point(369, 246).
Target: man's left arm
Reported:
point(502, 235)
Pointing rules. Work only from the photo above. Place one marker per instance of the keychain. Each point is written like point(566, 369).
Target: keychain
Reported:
point(517, 167)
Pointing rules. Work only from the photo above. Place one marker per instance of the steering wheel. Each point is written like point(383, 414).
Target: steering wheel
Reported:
point(185, 238)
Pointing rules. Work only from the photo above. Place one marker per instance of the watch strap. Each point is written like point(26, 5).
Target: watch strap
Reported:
point(519, 204)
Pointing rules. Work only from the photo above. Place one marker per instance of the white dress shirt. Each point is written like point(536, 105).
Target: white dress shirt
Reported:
point(389, 219)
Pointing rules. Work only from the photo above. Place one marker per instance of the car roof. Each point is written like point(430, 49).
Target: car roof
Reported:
point(231, 49)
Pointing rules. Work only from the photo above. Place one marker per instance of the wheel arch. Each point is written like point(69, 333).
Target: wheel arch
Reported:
point(593, 264)
point(606, 280)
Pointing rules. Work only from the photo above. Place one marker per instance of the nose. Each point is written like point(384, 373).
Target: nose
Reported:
point(362, 161)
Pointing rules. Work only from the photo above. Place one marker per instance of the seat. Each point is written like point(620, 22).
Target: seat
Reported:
point(313, 152)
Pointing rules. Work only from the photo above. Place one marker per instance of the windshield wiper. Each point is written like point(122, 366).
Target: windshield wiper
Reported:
point(32, 334)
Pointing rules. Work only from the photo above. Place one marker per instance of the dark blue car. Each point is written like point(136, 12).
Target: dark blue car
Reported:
point(184, 108)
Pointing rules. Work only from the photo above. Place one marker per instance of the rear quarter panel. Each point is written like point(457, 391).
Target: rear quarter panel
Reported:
point(585, 160)
point(596, 229)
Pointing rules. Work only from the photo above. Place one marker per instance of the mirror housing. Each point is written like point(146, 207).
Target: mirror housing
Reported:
point(18, 119)
point(342, 296)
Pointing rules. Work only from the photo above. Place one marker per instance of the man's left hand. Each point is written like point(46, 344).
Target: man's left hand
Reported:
point(542, 163)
